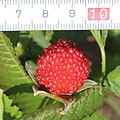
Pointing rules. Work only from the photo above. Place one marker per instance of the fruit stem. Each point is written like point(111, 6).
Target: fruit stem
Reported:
point(103, 60)
point(100, 36)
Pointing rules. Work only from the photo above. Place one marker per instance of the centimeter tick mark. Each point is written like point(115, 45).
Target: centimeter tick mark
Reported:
point(45, 24)
point(85, 2)
point(5, 3)
point(72, 4)
point(31, 3)
point(45, 3)
point(59, 2)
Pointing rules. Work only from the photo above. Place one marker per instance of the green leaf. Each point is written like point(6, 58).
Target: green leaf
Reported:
point(39, 38)
point(104, 34)
point(9, 109)
point(27, 102)
point(96, 34)
point(114, 103)
point(96, 116)
point(48, 35)
point(82, 107)
point(114, 80)
point(24, 98)
point(100, 36)
point(19, 49)
point(7, 116)
point(1, 104)
point(11, 72)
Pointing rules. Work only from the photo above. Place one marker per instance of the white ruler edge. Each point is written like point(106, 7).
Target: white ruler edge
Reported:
point(18, 15)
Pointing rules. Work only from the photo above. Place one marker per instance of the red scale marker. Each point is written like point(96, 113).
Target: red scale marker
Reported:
point(98, 13)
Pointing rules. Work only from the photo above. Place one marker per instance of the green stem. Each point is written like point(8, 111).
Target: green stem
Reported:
point(100, 36)
point(103, 60)
point(1, 104)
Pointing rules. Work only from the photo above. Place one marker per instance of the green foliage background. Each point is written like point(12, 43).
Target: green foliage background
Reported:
point(16, 95)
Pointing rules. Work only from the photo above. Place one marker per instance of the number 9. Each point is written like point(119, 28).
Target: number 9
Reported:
point(72, 13)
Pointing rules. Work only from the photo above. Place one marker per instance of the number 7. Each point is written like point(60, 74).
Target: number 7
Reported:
point(18, 12)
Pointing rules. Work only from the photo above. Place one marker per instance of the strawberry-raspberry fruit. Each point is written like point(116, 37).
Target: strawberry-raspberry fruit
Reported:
point(62, 68)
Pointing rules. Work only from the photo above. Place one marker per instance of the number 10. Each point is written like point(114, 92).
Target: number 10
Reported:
point(98, 13)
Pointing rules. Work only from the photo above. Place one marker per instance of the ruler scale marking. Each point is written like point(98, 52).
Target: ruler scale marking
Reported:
point(85, 2)
point(72, 3)
point(40, 1)
point(32, 3)
point(57, 14)
point(37, 2)
point(112, 3)
point(2, 2)
point(5, 4)
point(18, 3)
point(58, 3)
point(10, 2)
point(45, 3)
point(5, 24)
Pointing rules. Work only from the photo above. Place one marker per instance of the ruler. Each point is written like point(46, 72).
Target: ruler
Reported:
point(17, 15)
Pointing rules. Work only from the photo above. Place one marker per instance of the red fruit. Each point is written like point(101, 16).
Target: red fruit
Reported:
point(62, 68)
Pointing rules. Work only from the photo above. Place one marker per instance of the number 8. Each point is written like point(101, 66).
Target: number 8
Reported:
point(45, 13)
